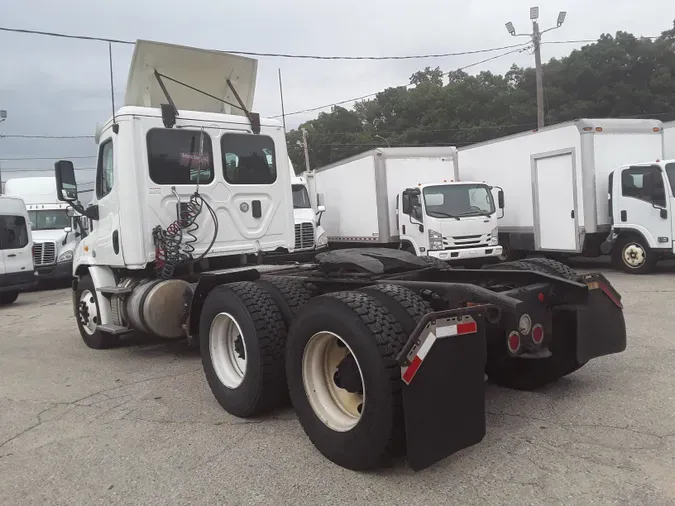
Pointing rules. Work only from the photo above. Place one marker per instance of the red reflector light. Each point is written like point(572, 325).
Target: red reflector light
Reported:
point(514, 341)
point(540, 297)
point(538, 334)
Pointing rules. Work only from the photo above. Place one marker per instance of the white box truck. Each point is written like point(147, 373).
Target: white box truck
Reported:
point(54, 230)
point(669, 140)
point(556, 182)
point(406, 198)
point(16, 262)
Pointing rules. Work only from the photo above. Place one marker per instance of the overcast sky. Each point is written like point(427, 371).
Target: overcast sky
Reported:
point(61, 87)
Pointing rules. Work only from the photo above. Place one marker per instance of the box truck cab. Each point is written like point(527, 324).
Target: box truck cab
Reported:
point(449, 221)
point(309, 234)
point(642, 207)
point(55, 231)
point(16, 261)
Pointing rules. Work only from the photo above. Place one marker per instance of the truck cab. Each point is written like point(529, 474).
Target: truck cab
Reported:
point(16, 261)
point(641, 206)
point(309, 234)
point(55, 230)
point(450, 221)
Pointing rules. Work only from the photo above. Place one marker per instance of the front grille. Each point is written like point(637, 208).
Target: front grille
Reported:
point(304, 235)
point(466, 241)
point(44, 253)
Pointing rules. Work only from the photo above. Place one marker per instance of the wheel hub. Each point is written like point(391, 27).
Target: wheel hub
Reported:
point(634, 255)
point(347, 376)
point(227, 350)
point(87, 312)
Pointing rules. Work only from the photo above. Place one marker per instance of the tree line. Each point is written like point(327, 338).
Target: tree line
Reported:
point(617, 76)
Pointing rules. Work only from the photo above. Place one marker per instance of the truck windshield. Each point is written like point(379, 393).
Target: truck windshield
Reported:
point(453, 201)
point(670, 170)
point(300, 197)
point(55, 219)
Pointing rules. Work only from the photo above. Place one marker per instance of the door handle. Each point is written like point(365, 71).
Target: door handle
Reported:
point(624, 216)
point(572, 214)
point(256, 209)
point(11, 255)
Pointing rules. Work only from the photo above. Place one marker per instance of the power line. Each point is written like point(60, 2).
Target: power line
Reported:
point(276, 55)
point(521, 47)
point(26, 136)
point(47, 158)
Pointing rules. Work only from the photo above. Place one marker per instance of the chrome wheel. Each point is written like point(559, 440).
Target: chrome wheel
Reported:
point(333, 381)
point(88, 312)
point(227, 350)
point(634, 255)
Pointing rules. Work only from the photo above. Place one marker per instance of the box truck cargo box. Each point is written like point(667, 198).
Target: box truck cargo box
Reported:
point(669, 140)
point(555, 180)
point(406, 198)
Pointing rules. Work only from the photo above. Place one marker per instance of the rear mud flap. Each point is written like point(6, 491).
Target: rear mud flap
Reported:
point(601, 328)
point(442, 368)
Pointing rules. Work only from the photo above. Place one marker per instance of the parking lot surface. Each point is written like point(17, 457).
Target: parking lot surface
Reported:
point(138, 425)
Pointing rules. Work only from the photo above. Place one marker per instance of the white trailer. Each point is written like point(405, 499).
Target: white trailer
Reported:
point(406, 198)
point(556, 181)
point(54, 229)
point(669, 140)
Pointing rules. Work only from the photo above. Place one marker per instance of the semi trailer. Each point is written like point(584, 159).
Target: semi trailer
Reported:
point(559, 179)
point(407, 198)
point(381, 353)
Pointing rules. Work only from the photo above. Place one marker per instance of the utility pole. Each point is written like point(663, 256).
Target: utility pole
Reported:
point(3, 117)
point(306, 147)
point(536, 42)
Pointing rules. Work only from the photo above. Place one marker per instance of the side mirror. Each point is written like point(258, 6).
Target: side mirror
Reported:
point(405, 204)
point(66, 185)
point(70, 212)
point(320, 209)
point(67, 230)
point(319, 200)
point(500, 199)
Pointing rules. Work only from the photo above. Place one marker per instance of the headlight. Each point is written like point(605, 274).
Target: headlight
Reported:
point(321, 238)
point(435, 240)
point(494, 237)
point(66, 256)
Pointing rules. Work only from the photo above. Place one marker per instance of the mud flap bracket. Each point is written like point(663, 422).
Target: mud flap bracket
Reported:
point(442, 369)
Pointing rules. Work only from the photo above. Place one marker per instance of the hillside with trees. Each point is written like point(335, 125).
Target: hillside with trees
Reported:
point(618, 76)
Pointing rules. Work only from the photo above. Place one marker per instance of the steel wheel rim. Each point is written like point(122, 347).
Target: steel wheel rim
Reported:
point(228, 350)
point(88, 312)
point(634, 255)
point(337, 408)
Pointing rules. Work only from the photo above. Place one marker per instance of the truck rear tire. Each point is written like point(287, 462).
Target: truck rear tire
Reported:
point(405, 305)
point(519, 265)
point(242, 339)
point(633, 255)
point(289, 293)
point(344, 380)
point(87, 316)
point(557, 268)
point(7, 298)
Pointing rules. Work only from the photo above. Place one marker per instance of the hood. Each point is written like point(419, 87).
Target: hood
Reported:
point(49, 235)
point(200, 68)
point(473, 225)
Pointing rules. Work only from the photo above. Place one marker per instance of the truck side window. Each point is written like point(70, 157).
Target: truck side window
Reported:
point(104, 171)
point(248, 159)
point(173, 156)
point(643, 183)
point(13, 232)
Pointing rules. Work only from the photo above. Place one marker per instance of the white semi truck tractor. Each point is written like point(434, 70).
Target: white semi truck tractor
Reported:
point(381, 353)
point(310, 236)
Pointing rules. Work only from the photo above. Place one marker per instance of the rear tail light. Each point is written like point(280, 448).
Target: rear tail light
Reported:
point(538, 334)
point(513, 342)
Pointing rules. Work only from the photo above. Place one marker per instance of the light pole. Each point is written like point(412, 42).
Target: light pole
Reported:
point(3, 117)
point(536, 41)
point(385, 140)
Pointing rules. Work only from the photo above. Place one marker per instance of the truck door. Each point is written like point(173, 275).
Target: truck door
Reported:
point(555, 202)
point(643, 204)
point(15, 248)
point(410, 221)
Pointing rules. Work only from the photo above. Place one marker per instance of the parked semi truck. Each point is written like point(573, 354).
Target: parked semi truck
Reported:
point(381, 352)
point(407, 198)
point(17, 272)
point(310, 236)
point(54, 231)
point(559, 181)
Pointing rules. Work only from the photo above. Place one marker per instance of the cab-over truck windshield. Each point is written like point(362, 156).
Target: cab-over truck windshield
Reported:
point(454, 201)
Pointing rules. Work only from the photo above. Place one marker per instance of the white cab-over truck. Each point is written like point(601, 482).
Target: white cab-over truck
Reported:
point(577, 188)
point(380, 351)
point(54, 230)
point(409, 198)
point(16, 261)
point(310, 236)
